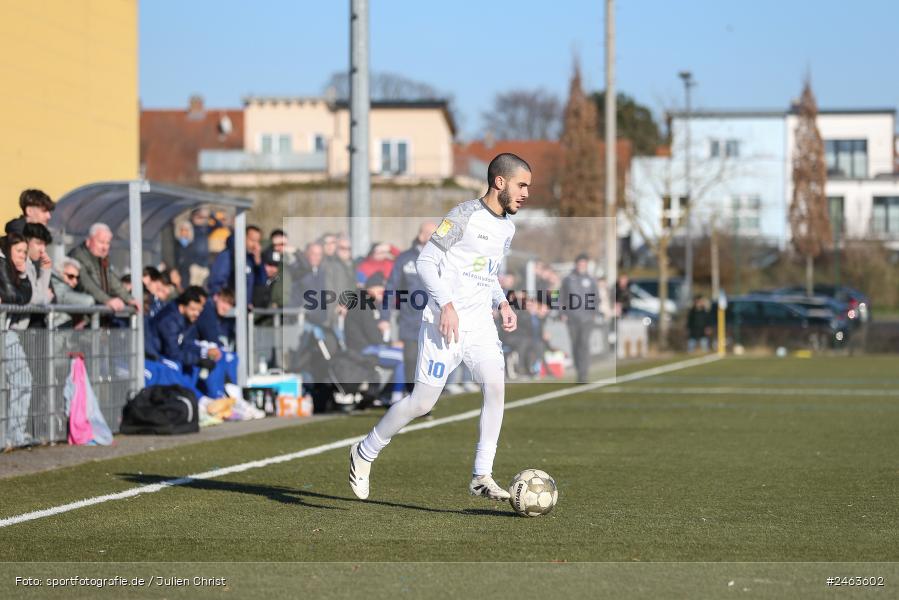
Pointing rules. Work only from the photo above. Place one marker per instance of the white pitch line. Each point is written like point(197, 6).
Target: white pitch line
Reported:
point(344, 443)
point(742, 391)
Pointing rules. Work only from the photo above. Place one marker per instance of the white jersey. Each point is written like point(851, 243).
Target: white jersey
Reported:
point(475, 240)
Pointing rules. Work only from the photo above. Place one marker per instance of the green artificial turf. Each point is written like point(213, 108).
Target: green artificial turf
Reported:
point(642, 477)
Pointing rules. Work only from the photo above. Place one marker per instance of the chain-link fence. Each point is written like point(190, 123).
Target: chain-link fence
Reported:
point(34, 365)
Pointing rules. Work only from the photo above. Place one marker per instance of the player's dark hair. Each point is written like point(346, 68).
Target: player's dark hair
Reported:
point(35, 198)
point(200, 291)
point(504, 165)
point(152, 273)
point(275, 233)
point(33, 231)
point(189, 295)
point(253, 228)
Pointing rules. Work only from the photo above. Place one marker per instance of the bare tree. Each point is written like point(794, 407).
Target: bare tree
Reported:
point(809, 218)
point(657, 209)
point(524, 115)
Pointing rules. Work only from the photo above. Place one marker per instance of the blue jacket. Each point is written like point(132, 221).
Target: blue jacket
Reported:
point(405, 277)
point(221, 275)
point(171, 336)
point(213, 328)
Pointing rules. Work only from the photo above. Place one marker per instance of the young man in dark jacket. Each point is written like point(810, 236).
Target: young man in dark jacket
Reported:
point(36, 208)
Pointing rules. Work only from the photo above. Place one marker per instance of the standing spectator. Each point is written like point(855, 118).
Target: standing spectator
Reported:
point(286, 258)
point(579, 300)
point(36, 208)
point(39, 265)
point(200, 222)
point(15, 289)
point(379, 260)
point(339, 273)
point(97, 277)
point(699, 320)
point(67, 291)
point(263, 293)
point(404, 280)
point(622, 295)
point(313, 285)
point(222, 274)
point(156, 292)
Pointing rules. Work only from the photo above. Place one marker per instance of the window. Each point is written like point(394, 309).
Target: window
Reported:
point(835, 210)
point(846, 158)
point(885, 215)
point(746, 213)
point(265, 144)
point(714, 148)
point(732, 148)
point(284, 145)
point(394, 157)
point(319, 143)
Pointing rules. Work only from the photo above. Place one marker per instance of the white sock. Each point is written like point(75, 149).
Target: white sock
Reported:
point(490, 424)
point(418, 403)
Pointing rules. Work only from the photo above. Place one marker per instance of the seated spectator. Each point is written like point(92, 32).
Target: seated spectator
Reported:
point(222, 273)
point(15, 289)
point(156, 292)
point(364, 333)
point(215, 323)
point(36, 208)
point(67, 291)
point(97, 277)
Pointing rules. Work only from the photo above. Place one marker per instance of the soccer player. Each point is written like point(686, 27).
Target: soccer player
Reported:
point(459, 267)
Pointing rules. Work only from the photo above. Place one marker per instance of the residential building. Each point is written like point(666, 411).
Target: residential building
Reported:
point(171, 140)
point(741, 173)
point(70, 114)
point(296, 139)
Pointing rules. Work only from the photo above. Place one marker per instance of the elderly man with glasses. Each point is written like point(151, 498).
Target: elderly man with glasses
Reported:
point(68, 291)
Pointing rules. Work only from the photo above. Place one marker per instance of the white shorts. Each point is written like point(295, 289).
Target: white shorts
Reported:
point(481, 351)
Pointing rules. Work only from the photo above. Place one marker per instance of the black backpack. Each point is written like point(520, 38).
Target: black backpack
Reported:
point(161, 410)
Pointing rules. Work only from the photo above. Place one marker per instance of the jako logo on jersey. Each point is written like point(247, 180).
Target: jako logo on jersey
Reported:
point(481, 236)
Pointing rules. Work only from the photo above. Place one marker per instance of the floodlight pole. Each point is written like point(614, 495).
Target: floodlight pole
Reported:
point(360, 184)
point(688, 259)
point(611, 148)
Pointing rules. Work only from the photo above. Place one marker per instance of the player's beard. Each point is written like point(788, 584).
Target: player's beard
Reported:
point(505, 200)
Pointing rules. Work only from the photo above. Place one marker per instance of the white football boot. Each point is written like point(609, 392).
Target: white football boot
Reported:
point(483, 485)
point(359, 471)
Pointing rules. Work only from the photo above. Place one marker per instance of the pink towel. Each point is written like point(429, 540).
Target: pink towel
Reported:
point(80, 430)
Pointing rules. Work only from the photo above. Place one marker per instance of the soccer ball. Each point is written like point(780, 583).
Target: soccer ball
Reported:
point(533, 492)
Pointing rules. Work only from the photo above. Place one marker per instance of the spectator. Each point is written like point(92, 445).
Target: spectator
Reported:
point(404, 280)
point(339, 273)
point(200, 222)
point(36, 208)
point(286, 258)
point(364, 333)
point(622, 295)
point(172, 334)
point(379, 260)
point(214, 323)
point(313, 286)
point(97, 277)
point(15, 289)
point(39, 267)
point(604, 304)
point(699, 325)
point(579, 301)
point(156, 292)
point(263, 293)
point(222, 274)
point(67, 291)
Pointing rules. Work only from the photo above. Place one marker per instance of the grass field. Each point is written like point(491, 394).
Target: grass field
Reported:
point(750, 460)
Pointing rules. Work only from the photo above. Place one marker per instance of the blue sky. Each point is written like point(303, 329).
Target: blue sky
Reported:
point(743, 54)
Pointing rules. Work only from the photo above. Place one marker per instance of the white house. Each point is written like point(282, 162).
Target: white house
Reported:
point(741, 172)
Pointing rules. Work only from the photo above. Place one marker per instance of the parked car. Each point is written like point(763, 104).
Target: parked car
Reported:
point(858, 302)
point(764, 319)
point(645, 295)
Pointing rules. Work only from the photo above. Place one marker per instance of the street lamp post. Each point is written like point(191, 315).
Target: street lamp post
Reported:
point(687, 78)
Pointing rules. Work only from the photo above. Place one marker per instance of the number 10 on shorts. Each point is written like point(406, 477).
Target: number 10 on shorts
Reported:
point(436, 369)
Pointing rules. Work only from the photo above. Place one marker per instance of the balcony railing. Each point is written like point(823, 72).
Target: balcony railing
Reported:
point(247, 162)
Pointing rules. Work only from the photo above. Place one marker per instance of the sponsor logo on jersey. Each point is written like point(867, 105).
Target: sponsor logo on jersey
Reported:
point(481, 236)
point(444, 228)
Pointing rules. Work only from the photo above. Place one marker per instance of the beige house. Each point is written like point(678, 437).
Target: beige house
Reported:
point(295, 139)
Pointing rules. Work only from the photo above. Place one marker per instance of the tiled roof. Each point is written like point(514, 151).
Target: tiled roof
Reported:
point(170, 140)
